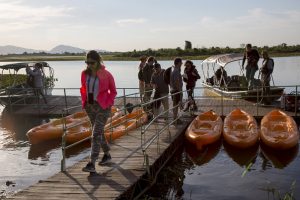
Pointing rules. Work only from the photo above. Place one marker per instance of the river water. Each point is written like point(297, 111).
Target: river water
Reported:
point(212, 174)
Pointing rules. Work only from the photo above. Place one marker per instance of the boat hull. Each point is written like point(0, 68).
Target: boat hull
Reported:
point(113, 130)
point(249, 95)
point(205, 129)
point(279, 131)
point(54, 129)
point(240, 129)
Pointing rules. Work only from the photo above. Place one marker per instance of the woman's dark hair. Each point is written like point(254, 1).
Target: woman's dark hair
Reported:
point(192, 65)
point(93, 55)
point(151, 58)
point(190, 62)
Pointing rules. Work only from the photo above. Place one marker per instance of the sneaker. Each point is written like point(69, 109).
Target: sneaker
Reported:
point(106, 158)
point(90, 167)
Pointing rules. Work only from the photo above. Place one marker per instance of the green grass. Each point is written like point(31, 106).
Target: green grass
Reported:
point(112, 57)
point(7, 80)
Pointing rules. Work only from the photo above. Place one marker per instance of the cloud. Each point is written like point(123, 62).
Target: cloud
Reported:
point(14, 15)
point(126, 22)
point(258, 25)
point(256, 19)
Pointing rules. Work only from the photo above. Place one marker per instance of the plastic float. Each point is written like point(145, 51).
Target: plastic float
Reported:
point(113, 130)
point(278, 130)
point(205, 129)
point(240, 129)
point(54, 129)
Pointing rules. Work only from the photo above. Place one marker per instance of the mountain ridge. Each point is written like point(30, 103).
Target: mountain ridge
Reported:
point(59, 49)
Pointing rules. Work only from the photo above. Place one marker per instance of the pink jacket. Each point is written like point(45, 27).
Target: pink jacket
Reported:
point(107, 89)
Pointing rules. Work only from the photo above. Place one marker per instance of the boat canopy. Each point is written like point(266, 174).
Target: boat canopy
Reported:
point(18, 66)
point(224, 59)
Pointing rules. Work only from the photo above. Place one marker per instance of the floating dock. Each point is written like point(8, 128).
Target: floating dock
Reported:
point(128, 175)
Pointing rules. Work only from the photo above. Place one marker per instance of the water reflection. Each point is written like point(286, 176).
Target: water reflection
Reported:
point(18, 125)
point(170, 181)
point(279, 158)
point(204, 156)
point(42, 150)
point(242, 156)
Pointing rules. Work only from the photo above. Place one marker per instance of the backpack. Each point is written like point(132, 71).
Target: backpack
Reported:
point(272, 66)
point(167, 75)
point(30, 81)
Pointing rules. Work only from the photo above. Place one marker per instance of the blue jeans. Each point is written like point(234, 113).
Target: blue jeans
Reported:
point(250, 73)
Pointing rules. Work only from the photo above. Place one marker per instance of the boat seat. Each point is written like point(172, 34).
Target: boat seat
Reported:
point(208, 117)
point(239, 117)
point(278, 118)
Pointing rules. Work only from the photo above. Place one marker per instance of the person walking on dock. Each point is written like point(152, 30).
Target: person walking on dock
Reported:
point(143, 60)
point(176, 88)
point(37, 80)
point(252, 57)
point(161, 89)
point(98, 92)
point(147, 74)
point(190, 76)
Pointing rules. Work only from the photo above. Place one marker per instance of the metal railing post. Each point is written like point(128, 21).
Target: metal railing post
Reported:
point(147, 163)
point(124, 100)
point(257, 101)
point(222, 105)
point(66, 102)
point(296, 101)
point(63, 144)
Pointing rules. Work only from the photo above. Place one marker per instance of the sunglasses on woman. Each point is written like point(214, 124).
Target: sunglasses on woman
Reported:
point(90, 62)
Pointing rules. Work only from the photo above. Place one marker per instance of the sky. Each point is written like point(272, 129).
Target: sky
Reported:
point(125, 25)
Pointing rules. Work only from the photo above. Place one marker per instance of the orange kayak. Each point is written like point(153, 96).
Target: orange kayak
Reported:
point(240, 129)
point(113, 130)
point(122, 125)
point(204, 129)
point(54, 129)
point(278, 130)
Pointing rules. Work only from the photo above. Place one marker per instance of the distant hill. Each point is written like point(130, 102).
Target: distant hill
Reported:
point(60, 49)
point(10, 49)
point(65, 48)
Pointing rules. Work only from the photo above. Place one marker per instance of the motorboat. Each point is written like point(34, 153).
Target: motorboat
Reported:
point(13, 82)
point(218, 82)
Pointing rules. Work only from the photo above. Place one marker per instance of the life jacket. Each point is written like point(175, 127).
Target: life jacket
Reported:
point(265, 69)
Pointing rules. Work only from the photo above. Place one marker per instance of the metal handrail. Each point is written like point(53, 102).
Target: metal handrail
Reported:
point(146, 144)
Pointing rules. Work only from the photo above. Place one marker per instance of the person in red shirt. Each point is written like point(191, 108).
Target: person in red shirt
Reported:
point(98, 92)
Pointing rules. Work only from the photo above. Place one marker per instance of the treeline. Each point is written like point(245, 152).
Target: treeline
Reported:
point(279, 49)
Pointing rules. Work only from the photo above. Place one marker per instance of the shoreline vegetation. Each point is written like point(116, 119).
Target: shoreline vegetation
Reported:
point(282, 50)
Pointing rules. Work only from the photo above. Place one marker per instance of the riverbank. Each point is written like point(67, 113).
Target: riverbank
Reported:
point(113, 57)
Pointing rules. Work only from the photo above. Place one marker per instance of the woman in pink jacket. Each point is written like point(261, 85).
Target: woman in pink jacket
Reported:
point(98, 92)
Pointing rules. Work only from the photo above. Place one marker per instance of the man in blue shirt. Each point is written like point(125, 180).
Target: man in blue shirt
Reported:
point(176, 86)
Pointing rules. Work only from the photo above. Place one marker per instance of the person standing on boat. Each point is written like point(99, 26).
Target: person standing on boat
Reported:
point(252, 57)
point(98, 92)
point(266, 71)
point(161, 89)
point(190, 76)
point(147, 74)
point(38, 80)
point(143, 60)
point(176, 87)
